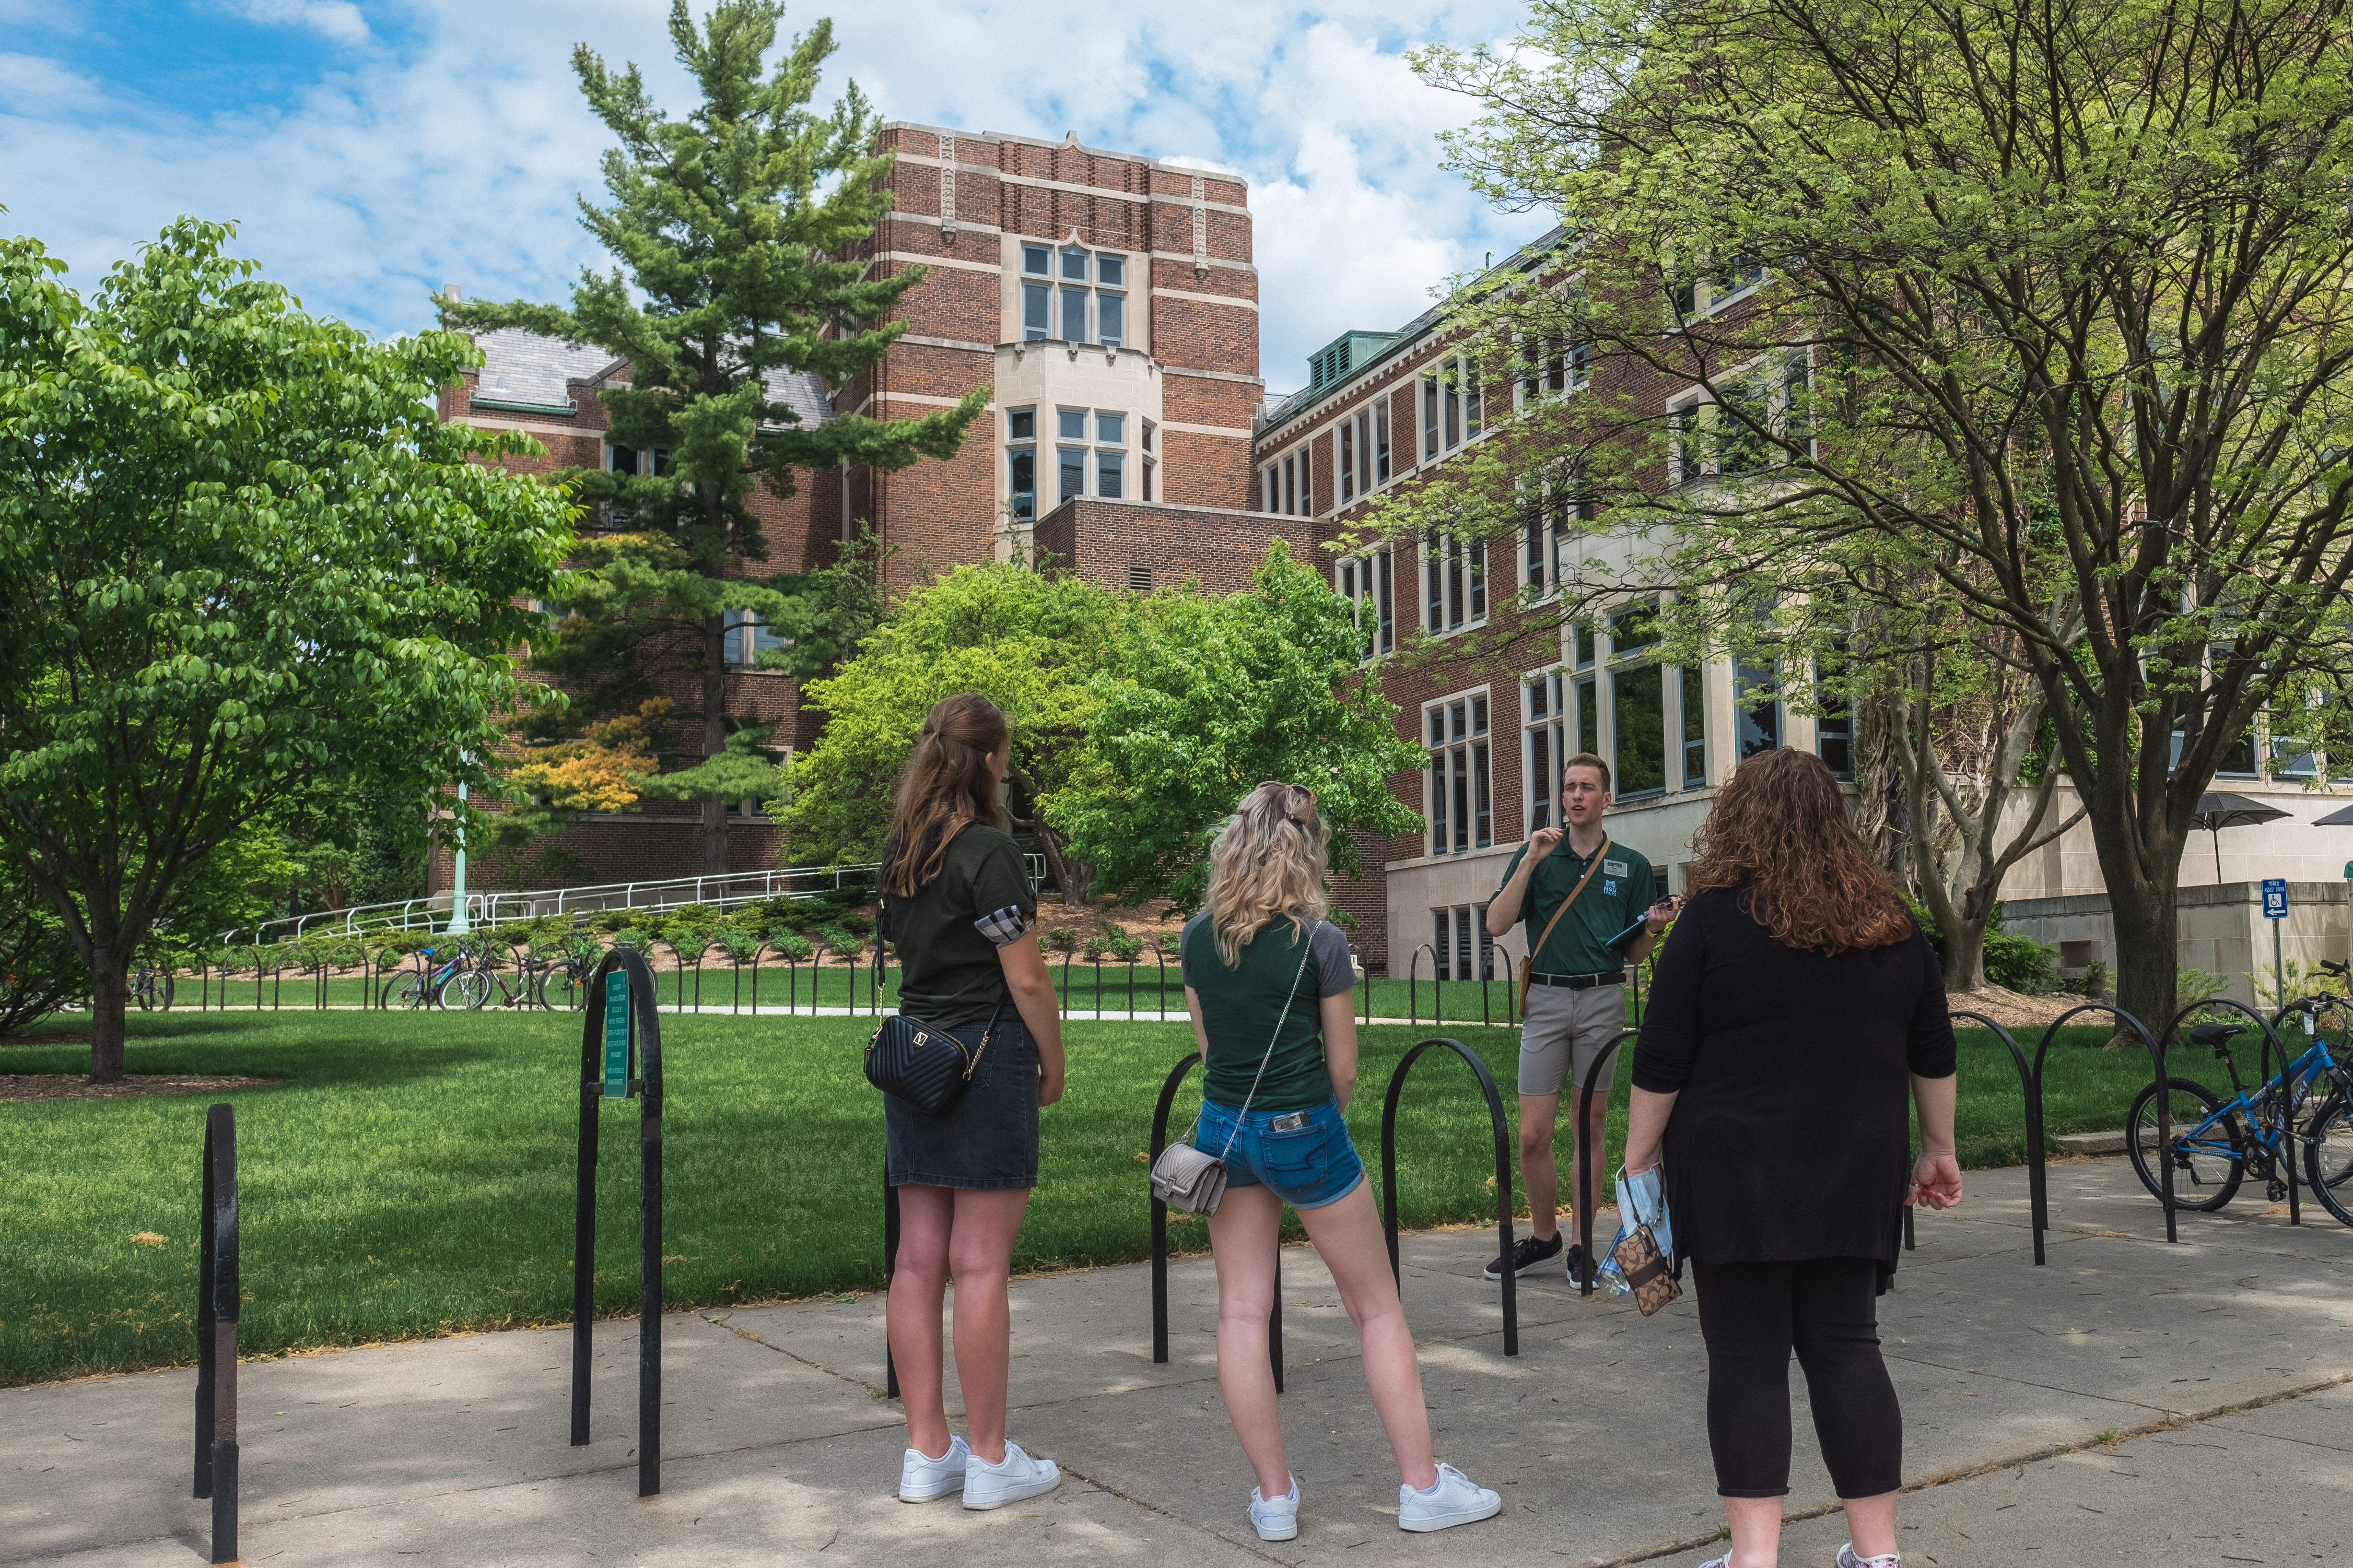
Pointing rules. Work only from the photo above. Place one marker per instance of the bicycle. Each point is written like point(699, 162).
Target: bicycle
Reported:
point(523, 992)
point(2216, 1144)
point(421, 986)
point(563, 988)
point(152, 987)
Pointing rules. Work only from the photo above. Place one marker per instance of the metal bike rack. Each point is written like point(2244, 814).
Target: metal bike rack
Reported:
point(2271, 1043)
point(2164, 1101)
point(2030, 1084)
point(621, 1020)
point(1413, 994)
point(218, 1297)
point(1587, 1205)
point(1160, 1240)
point(1503, 1176)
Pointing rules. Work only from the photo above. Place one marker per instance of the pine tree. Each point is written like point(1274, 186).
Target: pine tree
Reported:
point(732, 227)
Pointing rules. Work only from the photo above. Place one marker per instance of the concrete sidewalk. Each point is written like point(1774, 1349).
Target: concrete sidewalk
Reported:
point(779, 1446)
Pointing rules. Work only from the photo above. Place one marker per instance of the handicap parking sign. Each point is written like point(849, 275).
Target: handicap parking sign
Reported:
point(2274, 898)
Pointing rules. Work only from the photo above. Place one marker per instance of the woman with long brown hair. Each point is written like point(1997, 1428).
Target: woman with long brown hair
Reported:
point(1795, 1003)
point(959, 908)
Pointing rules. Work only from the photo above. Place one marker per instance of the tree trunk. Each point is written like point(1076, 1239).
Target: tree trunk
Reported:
point(714, 742)
point(109, 998)
point(1069, 875)
point(1965, 953)
point(2148, 923)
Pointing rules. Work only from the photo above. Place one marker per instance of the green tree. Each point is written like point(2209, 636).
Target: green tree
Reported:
point(38, 967)
point(1214, 695)
point(738, 230)
point(2050, 309)
point(244, 575)
point(1030, 643)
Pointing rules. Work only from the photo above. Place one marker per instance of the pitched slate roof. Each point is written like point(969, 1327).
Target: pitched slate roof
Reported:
point(520, 366)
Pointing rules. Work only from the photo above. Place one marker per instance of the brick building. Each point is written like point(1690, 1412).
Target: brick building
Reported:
point(1111, 304)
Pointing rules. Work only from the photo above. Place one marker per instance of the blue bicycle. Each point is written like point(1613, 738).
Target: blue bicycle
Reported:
point(2217, 1143)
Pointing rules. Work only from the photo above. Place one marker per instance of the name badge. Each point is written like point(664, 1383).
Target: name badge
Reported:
point(1615, 868)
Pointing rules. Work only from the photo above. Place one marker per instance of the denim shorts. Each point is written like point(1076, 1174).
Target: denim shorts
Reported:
point(1307, 1165)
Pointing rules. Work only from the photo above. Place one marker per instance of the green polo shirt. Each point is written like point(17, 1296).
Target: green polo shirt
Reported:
point(1620, 893)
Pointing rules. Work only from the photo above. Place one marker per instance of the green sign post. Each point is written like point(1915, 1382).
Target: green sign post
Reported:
point(616, 1035)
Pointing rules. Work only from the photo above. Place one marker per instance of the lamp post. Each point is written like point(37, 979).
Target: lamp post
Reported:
point(458, 885)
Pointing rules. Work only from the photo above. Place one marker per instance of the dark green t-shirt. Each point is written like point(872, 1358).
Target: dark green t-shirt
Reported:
point(1239, 1006)
point(1620, 893)
point(947, 935)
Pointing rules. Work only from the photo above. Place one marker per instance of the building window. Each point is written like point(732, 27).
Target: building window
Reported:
point(1110, 475)
point(1381, 443)
point(1693, 691)
point(1550, 526)
point(1588, 716)
point(1290, 467)
point(1554, 364)
point(1585, 645)
point(1545, 745)
point(1736, 435)
point(1459, 944)
point(1462, 796)
point(1757, 724)
point(1092, 289)
point(1833, 729)
point(1455, 571)
point(745, 637)
point(1072, 461)
point(1369, 583)
point(1452, 412)
point(1021, 461)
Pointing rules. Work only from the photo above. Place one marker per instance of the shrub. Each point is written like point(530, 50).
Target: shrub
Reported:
point(738, 944)
point(611, 920)
point(2020, 963)
point(1062, 939)
point(844, 943)
point(791, 945)
point(633, 938)
point(2192, 986)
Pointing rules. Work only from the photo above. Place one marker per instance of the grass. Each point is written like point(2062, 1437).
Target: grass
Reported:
point(413, 1172)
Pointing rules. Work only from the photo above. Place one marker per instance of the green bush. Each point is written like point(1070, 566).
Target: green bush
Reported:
point(2020, 963)
point(1062, 939)
point(736, 943)
point(790, 945)
point(611, 920)
point(844, 943)
point(633, 938)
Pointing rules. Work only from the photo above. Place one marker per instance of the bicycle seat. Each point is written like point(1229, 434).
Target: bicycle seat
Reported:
point(2218, 1036)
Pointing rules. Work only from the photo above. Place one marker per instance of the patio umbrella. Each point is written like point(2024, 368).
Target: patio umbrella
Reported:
point(2218, 810)
point(2341, 818)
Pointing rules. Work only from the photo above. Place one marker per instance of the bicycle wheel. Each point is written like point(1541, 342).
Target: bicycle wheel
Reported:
point(408, 991)
point(2209, 1148)
point(469, 989)
point(2328, 1158)
point(563, 990)
point(165, 979)
point(142, 991)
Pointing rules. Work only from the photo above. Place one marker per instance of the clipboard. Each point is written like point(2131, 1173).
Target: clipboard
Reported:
point(1617, 942)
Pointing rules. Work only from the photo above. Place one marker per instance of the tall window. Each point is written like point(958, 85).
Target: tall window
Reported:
point(1369, 583)
point(1021, 461)
point(1451, 413)
point(1381, 442)
point(1462, 804)
point(1546, 745)
point(1077, 295)
point(1834, 727)
point(1551, 364)
point(1550, 529)
point(1459, 943)
point(1290, 485)
point(1637, 704)
point(1758, 723)
point(1455, 579)
point(1692, 690)
point(1347, 460)
point(1150, 461)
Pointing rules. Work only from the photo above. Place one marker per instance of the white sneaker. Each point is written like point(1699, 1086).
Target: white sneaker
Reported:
point(1847, 1559)
point(1455, 1501)
point(1016, 1476)
point(921, 1478)
point(1277, 1519)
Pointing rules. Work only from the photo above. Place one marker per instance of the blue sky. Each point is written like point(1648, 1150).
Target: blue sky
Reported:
point(371, 151)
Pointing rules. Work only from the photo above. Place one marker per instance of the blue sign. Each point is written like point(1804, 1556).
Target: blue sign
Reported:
point(616, 1035)
point(2274, 898)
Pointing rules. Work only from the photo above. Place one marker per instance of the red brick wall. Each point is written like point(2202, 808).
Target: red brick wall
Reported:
point(1100, 539)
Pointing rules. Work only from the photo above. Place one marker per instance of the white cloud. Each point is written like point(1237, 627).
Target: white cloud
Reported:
point(336, 19)
point(456, 158)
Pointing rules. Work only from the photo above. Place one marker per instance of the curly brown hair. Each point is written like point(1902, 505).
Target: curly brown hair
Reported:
point(1780, 830)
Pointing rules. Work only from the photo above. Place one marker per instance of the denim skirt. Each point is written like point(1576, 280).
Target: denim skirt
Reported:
point(990, 1139)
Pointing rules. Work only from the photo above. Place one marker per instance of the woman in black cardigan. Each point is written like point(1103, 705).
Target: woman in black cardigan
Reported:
point(1794, 1004)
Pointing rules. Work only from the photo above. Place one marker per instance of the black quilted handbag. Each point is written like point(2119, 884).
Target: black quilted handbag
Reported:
point(924, 1066)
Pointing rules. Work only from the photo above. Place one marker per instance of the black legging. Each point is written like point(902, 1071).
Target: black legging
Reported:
point(1753, 1315)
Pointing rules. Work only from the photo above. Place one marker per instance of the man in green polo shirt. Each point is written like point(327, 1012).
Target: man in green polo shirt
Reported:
point(1576, 995)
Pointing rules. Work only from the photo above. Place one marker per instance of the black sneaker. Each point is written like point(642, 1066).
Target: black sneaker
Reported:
point(1528, 1256)
point(1579, 1269)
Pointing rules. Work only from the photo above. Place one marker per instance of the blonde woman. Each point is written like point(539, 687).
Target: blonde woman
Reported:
point(1267, 981)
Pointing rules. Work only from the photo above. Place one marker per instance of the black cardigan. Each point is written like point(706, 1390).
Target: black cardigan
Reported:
point(1792, 1137)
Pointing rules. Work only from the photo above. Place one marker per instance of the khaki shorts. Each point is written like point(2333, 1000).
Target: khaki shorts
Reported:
point(1564, 1032)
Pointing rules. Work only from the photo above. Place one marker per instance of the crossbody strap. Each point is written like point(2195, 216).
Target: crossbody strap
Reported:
point(1596, 866)
point(1288, 997)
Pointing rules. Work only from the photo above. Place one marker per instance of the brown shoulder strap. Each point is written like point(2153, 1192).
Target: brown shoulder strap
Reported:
point(1589, 869)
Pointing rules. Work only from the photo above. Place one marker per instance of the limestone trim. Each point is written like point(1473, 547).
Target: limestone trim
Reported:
point(1213, 374)
point(1202, 429)
point(965, 344)
point(1039, 182)
point(927, 401)
point(1236, 300)
point(530, 427)
point(931, 220)
point(920, 259)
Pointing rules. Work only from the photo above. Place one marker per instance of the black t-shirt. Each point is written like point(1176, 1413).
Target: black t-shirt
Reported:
point(1791, 1138)
point(948, 934)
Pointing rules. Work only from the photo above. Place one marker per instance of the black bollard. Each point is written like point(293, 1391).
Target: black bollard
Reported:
point(218, 1299)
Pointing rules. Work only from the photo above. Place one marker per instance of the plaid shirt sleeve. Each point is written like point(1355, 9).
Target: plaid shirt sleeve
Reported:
point(1003, 926)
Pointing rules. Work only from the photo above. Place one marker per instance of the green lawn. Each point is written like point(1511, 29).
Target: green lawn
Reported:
point(413, 1172)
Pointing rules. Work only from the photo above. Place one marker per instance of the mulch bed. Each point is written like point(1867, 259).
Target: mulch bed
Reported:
point(135, 1086)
